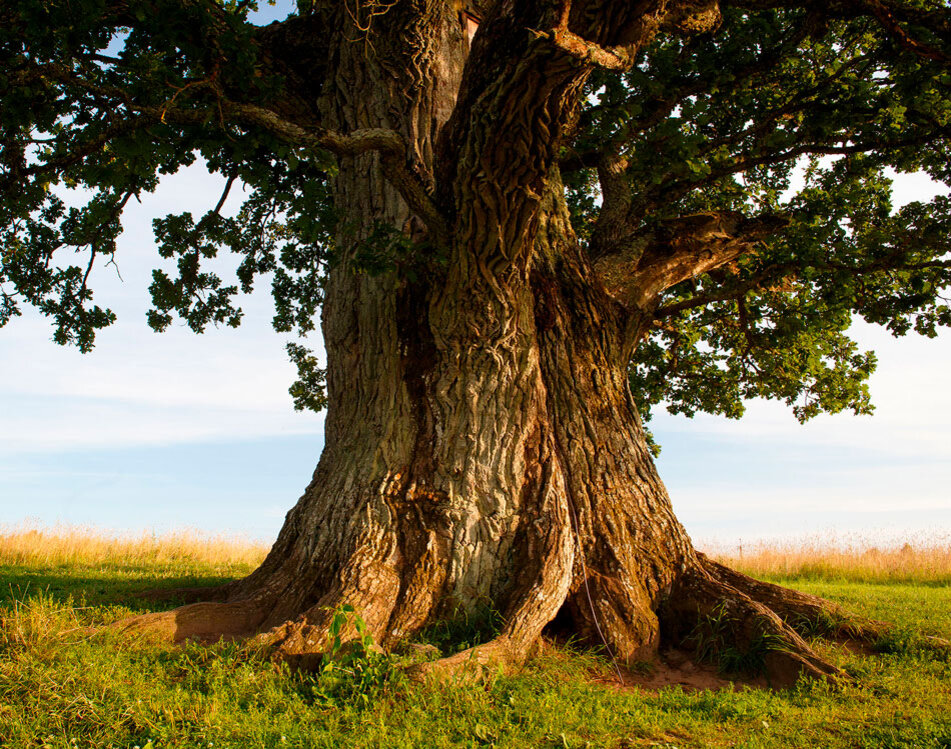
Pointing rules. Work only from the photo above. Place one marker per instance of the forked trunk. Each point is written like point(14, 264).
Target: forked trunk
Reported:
point(482, 448)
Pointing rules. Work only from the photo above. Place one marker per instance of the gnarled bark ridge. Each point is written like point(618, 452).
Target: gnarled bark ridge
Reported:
point(482, 447)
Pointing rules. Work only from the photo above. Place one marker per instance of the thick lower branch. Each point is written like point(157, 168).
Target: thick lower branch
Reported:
point(607, 58)
point(388, 143)
point(638, 271)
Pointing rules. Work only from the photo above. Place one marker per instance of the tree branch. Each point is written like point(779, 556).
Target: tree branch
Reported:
point(114, 214)
point(742, 162)
point(691, 17)
point(388, 143)
point(886, 18)
point(612, 227)
point(776, 275)
point(759, 281)
point(680, 249)
point(609, 58)
point(889, 15)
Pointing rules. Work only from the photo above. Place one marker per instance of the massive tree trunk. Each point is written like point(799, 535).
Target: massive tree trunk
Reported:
point(482, 447)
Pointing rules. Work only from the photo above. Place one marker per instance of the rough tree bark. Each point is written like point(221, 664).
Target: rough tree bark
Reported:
point(482, 447)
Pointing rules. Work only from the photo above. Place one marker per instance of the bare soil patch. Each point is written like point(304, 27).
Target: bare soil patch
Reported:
point(676, 668)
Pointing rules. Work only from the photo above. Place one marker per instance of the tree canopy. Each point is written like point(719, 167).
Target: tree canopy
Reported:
point(506, 237)
point(765, 140)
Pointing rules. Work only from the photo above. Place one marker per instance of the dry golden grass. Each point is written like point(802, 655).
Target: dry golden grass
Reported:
point(855, 559)
point(27, 544)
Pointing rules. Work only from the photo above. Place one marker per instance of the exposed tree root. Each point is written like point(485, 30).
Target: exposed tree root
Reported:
point(707, 612)
point(724, 617)
point(814, 616)
point(937, 645)
point(299, 644)
point(472, 663)
point(805, 613)
point(206, 622)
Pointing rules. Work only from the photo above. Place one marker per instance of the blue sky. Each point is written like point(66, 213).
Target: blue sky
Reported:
point(164, 431)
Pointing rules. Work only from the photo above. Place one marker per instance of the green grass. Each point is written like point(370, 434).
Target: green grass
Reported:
point(62, 687)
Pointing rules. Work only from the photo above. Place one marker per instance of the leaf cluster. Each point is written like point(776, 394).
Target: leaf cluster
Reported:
point(786, 112)
point(100, 100)
point(354, 671)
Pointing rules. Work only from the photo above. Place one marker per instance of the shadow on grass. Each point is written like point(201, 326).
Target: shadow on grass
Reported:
point(100, 588)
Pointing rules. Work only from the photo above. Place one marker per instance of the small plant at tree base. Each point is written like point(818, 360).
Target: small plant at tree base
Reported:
point(826, 624)
point(353, 670)
point(752, 658)
point(644, 668)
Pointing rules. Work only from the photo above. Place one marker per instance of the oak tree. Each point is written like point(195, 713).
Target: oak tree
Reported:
point(521, 224)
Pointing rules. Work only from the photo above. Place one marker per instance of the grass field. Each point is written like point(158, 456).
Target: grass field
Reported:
point(61, 686)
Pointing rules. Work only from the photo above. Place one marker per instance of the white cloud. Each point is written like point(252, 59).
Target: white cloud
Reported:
point(909, 390)
point(225, 368)
point(881, 491)
point(57, 423)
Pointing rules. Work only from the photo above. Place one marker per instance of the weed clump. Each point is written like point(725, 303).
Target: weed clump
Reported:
point(354, 671)
point(463, 630)
point(715, 641)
